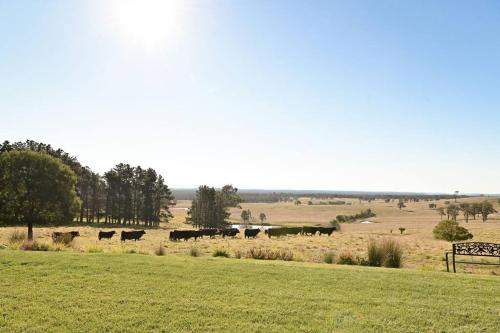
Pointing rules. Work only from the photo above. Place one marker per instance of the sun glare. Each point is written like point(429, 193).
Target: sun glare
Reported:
point(149, 24)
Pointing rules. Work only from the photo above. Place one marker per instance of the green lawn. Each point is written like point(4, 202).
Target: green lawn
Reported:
point(71, 292)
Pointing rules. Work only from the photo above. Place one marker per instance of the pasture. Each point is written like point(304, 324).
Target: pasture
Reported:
point(422, 251)
point(82, 292)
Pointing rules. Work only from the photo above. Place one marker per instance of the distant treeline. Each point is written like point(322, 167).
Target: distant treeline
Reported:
point(123, 195)
point(291, 196)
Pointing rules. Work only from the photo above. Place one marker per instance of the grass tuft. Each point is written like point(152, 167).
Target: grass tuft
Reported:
point(220, 253)
point(329, 257)
point(194, 252)
point(161, 251)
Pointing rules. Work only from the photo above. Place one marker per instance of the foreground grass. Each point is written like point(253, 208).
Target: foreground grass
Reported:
point(71, 292)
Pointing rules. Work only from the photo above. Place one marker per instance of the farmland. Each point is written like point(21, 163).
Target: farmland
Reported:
point(421, 250)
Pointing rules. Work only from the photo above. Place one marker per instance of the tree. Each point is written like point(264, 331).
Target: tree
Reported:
point(441, 212)
point(246, 216)
point(466, 210)
point(262, 218)
point(209, 209)
point(475, 209)
point(432, 205)
point(401, 204)
point(452, 211)
point(486, 209)
point(36, 189)
point(451, 231)
point(297, 202)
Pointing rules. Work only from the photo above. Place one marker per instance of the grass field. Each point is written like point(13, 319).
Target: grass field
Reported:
point(421, 250)
point(81, 292)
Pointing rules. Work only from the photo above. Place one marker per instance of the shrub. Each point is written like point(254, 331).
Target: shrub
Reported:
point(194, 252)
point(34, 246)
point(17, 236)
point(161, 251)
point(451, 231)
point(329, 257)
point(220, 253)
point(286, 255)
point(266, 254)
point(393, 253)
point(402, 230)
point(375, 255)
point(64, 239)
point(387, 253)
point(346, 258)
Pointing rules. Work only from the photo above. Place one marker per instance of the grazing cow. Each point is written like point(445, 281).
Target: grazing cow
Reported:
point(251, 233)
point(57, 235)
point(135, 235)
point(106, 234)
point(293, 230)
point(208, 232)
point(231, 232)
point(326, 230)
point(309, 231)
point(277, 232)
point(184, 234)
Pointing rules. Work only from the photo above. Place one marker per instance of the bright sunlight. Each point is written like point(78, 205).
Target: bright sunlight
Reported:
point(150, 24)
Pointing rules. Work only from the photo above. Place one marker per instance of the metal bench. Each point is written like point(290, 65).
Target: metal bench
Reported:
point(475, 249)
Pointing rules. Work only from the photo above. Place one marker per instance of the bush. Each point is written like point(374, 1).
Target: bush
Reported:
point(346, 258)
point(194, 252)
point(402, 230)
point(266, 254)
point(329, 257)
point(238, 254)
point(65, 239)
point(220, 253)
point(17, 236)
point(375, 255)
point(387, 253)
point(161, 251)
point(451, 231)
point(35, 246)
point(393, 253)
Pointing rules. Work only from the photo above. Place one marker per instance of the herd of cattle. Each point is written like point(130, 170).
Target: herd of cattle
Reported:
point(185, 235)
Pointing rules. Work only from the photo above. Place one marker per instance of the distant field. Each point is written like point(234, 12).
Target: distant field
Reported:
point(72, 292)
point(422, 251)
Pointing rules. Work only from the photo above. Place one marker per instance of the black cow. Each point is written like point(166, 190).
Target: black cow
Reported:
point(293, 230)
point(277, 232)
point(135, 235)
point(309, 231)
point(57, 235)
point(184, 234)
point(106, 234)
point(209, 232)
point(251, 233)
point(231, 232)
point(326, 230)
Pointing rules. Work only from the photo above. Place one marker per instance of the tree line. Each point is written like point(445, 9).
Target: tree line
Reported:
point(468, 210)
point(123, 195)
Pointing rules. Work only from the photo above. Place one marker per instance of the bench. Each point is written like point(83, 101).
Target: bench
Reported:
point(475, 249)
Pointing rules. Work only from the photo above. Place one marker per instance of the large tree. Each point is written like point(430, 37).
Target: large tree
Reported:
point(36, 189)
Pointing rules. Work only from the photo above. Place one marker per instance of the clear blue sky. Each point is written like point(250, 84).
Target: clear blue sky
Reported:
point(338, 95)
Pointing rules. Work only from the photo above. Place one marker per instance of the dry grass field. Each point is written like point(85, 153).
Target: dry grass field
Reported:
point(421, 250)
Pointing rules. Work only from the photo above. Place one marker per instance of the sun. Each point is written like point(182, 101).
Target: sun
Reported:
point(150, 24)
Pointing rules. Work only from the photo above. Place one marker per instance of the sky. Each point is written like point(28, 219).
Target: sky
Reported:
point(318, 95)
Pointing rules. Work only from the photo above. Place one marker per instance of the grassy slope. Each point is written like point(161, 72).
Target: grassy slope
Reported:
point(75, 292)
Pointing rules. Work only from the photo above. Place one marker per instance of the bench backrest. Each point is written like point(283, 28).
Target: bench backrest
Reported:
point(477, 249)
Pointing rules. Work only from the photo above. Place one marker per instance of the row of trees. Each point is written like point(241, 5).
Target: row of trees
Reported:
point(452, 211)
point(123, 195)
